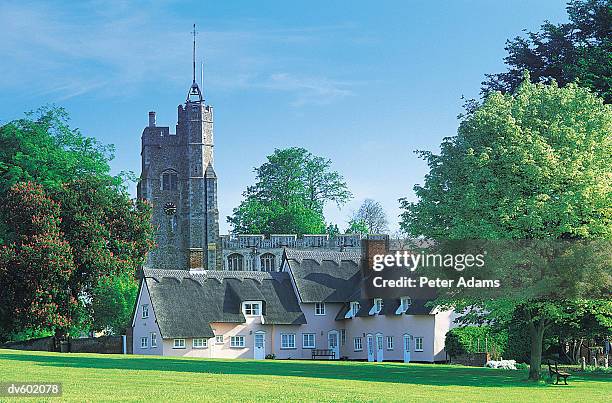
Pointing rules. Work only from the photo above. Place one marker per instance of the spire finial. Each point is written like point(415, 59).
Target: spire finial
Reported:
point(194, 32)
point(194, 90)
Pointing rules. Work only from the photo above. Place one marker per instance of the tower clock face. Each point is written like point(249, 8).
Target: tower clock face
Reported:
point(170, 208)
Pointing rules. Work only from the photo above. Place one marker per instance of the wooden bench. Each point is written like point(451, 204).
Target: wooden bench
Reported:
point(559, 374)
point(323, 353)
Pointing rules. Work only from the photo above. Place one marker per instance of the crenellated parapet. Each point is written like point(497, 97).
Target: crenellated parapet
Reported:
point(256, 252)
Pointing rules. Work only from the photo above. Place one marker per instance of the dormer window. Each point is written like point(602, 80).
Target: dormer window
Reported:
point(251, 308)
point(353, 309)
point(405, 303)
point(378, 304)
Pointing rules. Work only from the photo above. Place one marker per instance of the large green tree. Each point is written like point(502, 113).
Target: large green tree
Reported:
point(108, 234)
point(289, 195)
point(535, 165)
point(577, 50)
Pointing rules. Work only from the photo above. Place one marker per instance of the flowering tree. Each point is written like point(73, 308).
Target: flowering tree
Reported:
point(36, 266)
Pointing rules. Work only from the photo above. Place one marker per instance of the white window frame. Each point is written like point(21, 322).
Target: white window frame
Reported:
point(342, 337)
point(287, 337)
point(377, 306)
point(251, 305)
point(219, 339)
point(306, 336)
point(319, 308)
point(153, 340)
point(235, 262)
point(179, 344)
point(358, 343)
point(389, 343)
point(378, 303)
point(199, 342)
point(144, 343)
point(406, 302)
point(237, 341)
point(267, 262)
point(355, 307)
point(417, 341)
point(145, 311)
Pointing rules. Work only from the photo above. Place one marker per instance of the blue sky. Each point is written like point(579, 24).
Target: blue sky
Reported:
point(364, 83)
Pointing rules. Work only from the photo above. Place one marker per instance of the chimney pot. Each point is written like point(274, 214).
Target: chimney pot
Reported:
point(151, 119)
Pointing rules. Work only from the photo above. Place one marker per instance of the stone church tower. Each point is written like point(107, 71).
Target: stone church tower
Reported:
point(179, 181)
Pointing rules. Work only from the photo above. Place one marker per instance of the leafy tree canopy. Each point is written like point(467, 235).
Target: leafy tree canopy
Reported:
point(357, 226)
point(534, 165)
point(577, 50)
point(42, 148)
point(103, 232)
point(291, 189)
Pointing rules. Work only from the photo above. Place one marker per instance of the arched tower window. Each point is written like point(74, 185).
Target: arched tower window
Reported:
point(169, 180)
point(268, 262)
point(235, 261)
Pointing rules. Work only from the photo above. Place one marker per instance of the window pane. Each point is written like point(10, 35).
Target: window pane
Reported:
point(165, 181)
point(234, 261)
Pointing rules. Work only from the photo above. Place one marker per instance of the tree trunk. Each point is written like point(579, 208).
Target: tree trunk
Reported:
point(536, 331)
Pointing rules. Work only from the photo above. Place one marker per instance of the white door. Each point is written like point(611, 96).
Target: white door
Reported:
point(260, 345)
point(370, 345)
point(379, 347)
point(332, 343)
point(407, 339)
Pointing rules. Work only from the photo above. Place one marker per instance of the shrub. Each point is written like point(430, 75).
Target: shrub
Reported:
point(474, 339)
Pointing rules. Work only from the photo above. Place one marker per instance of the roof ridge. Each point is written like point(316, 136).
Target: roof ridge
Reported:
point(219, 275)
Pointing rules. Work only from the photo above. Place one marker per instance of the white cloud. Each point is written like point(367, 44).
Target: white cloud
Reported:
point(118, 48)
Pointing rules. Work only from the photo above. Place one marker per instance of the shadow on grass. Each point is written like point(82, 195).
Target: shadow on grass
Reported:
point(441, 375)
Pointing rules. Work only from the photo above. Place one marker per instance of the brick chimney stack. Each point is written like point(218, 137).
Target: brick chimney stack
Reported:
point(371, 247)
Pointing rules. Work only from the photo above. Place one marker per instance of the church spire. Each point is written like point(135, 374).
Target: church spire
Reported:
point(194, 91)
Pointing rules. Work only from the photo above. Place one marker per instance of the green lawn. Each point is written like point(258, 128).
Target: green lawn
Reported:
point(115, 377)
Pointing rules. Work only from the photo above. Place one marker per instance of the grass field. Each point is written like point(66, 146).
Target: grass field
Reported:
point(115, 377)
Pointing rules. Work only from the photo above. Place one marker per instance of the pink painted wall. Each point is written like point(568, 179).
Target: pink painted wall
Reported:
point(395, 326)
point(144, 327)
point(432, 328)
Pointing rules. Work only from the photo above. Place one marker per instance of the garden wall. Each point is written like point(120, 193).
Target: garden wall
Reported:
point(102, 345)
point(42, 344)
